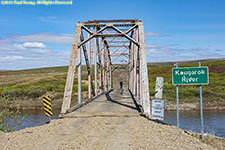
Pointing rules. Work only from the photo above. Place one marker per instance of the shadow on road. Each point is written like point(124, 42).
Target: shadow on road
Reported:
point(108, 97)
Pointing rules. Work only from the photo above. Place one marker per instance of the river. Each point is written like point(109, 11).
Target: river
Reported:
point(214, 121)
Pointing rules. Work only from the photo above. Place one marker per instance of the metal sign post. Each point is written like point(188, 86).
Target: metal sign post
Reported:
point(177, 92)
point(201, 107)
point(191, 76)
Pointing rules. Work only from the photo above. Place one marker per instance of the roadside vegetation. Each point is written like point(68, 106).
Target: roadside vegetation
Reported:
point(27, 87)
point(10, 119)
point(213, 94)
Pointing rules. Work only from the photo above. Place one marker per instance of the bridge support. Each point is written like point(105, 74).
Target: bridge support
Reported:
point(113, 44)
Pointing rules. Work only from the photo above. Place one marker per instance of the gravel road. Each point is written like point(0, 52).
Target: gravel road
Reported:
point(101, 133)
point(89, 130)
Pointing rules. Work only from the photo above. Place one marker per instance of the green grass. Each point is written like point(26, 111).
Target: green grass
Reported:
point(214, 92)
point(35, 83)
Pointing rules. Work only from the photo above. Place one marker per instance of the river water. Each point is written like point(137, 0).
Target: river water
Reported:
point(214, 121)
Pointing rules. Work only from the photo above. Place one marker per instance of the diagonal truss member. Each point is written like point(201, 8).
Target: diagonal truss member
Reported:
point(107, 45)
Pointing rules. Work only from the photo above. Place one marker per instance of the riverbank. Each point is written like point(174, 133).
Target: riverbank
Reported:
point(169, 106)
point(214, 141)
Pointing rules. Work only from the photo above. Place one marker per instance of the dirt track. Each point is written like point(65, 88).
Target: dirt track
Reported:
point(102, 132)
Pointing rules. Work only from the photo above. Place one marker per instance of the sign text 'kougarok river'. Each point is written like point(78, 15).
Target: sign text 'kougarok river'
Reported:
point(191, 75)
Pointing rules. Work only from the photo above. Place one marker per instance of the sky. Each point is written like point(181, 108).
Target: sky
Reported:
point(175, 30)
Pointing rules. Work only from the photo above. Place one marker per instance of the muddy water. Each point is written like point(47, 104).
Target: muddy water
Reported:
point(214, 121)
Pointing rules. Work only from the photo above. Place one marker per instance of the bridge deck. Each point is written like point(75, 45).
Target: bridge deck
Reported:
point(110, 104)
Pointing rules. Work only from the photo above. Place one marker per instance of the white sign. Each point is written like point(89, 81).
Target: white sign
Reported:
point(158, 109)
point(159, 87)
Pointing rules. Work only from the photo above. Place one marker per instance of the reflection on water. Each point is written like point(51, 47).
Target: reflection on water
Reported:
point(35, 118)
point(214, 121)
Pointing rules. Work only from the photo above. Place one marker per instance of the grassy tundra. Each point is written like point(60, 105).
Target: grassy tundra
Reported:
point(26, 87)
point(213, 94)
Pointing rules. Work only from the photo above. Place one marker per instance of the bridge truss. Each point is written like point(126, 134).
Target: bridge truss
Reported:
point(106, 46)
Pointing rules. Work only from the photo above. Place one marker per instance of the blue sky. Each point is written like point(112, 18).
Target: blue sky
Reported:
point(175, 30)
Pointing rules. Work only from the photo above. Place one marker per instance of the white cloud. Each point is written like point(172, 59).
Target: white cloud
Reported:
point(167, 52)
point(159, 45)
point(45, 37)
point(11, 58)
point(34, 45)
point(155, 34)
point(19, 46)
point(32, 51)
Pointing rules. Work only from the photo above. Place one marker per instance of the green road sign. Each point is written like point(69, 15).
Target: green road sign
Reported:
point(190, 76)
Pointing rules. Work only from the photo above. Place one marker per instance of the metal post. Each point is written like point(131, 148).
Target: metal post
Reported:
point(107, 70)
point(90, 62)
point(135, 66)
point(95, 53)
point(71, 71)
point(144, 93)
point(110, 74)
point(100, 66)
point(201, 109)
point(79, 75)
point(177, 91)
point(131, 68)
point(103, 64)
point(138, 86)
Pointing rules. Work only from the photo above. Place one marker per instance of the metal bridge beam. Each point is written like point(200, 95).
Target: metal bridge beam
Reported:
point(105, 42)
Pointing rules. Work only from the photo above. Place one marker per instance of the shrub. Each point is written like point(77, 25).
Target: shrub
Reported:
point(13, 93)
point(35, 93)
point(9, 120)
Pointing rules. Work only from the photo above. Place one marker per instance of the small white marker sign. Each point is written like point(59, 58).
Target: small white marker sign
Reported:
point(158, 109)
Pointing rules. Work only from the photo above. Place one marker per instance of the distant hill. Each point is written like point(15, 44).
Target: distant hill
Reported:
point(171, 63)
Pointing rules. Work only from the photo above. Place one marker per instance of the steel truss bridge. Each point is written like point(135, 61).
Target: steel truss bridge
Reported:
point(107, 45)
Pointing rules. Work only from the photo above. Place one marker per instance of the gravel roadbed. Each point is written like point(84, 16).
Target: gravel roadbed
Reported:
point(101, 133)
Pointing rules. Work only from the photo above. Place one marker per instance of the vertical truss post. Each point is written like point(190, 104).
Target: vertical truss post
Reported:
point(129, 71)
point(144, 93)
point(100, 66)
point(107, 69)
point(71, 70)
point(95, 53)
point(135, 65)
point(110, 74)
point(138, 86)
point(103, 65)
point(90, 62)
point(79, 62)
point(132, 62)
point(131, 66)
